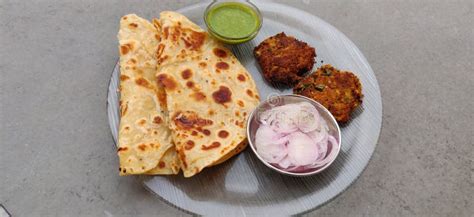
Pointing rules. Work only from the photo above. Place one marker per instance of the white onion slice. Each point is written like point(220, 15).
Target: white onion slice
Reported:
point(301, 149)
point(326, 159)
point(318, 135)
point(270, 145)
point(308, 118)
point(281, 118)
point(285, 163)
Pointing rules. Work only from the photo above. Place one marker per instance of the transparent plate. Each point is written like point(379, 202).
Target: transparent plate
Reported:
point(243, 185)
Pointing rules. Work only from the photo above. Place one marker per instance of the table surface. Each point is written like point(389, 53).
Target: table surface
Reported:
point(58, 156)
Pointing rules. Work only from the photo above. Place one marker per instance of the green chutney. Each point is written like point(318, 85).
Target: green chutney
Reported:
point(233, 20)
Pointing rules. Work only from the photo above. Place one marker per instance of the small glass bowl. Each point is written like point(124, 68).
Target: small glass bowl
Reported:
point(226, 39)
point(253, 124)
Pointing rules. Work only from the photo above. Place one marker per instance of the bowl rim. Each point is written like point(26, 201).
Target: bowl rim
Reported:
point(247, 3)
point(296, 174)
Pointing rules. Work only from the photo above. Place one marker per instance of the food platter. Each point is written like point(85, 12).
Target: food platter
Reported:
point(243, 185)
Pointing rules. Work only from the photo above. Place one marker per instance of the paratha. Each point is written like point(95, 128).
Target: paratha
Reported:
point(145, 144)
point(209, 94)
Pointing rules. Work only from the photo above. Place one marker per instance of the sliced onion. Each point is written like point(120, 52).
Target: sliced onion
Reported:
point(285, 163)
point(329, 157)
point(318, 135)
point(270, 145)
point(301, 149)
point(295, 138)
point(308, 118)
point(282, 119)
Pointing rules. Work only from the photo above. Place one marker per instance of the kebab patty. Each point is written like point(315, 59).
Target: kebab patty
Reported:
point(284, 59)
point(339, 91)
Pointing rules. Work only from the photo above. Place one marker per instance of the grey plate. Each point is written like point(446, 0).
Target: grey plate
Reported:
point(243, 185)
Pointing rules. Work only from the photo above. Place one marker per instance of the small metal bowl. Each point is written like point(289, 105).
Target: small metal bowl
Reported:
point(279, 100)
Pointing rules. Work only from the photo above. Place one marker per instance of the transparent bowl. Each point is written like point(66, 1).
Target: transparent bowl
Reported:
point(230, 40)
point(253, 124)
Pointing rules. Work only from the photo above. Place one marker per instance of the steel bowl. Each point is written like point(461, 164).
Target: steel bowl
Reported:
point(253, 124)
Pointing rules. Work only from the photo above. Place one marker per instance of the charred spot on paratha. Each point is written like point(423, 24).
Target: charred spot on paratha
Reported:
point(159, 51)
point(141, 122)
point(195, 40)
point(211, 146)
point(123, 109)
point(186, 74)
point(124, 49)
point(189, 144)
point(219, 52)
point(189, 120)
point(175, 34)
point(166, 81)
point(142, 82)
point(157, 120)
point(198, 96)
point(223, 95)
point(241, 77)
point(223, 134)
point(211, 112)
point(162, 59)
point(190, 84)
point(142, 147)
point(166, 32)
point(249, 92)
point(239, 124)
point(124, 77)
point(122, 149)
point(206, 132)
point(162, 98)
point(240, 103)
point(222, 65)
point(161, 164)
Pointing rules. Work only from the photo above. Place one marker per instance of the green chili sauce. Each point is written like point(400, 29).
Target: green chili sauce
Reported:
point(233, 20)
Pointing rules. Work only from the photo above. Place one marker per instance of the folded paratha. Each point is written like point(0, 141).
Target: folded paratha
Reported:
point(145, 144)
point(209, 94)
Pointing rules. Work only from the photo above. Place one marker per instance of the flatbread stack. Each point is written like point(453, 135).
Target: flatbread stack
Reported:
point(145, 144)
point(198, 89)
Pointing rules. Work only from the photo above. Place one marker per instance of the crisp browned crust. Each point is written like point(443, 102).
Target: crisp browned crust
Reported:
point(284, 59)
point(339, 91)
